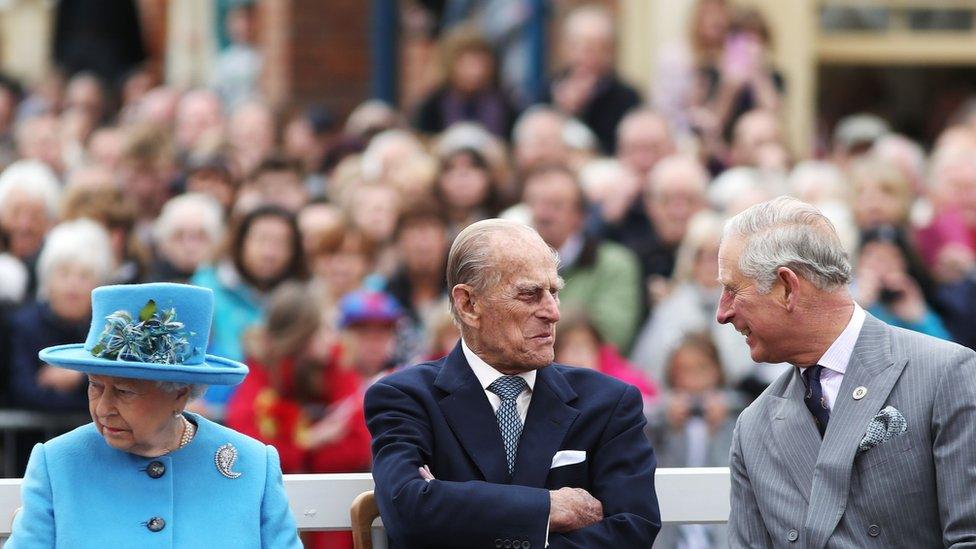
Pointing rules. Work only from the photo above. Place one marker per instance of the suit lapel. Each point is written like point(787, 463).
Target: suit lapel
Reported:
point(546, 424)
point(871, 367)
point(468, 412)
point(796, 434)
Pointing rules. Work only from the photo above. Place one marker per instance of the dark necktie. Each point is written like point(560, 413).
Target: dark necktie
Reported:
point(814, 397)
point(508, 388)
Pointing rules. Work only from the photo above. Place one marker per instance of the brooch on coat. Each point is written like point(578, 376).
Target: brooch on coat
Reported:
point(224, 458)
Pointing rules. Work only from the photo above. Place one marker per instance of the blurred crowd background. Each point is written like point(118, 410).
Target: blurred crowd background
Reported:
point(311, 162)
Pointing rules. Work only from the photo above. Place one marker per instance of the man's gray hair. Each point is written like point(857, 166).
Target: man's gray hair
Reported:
point(196, 389)
point(785, 232)
point(472, 259)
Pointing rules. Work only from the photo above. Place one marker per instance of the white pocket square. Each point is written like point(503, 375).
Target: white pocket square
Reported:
point(567, 457)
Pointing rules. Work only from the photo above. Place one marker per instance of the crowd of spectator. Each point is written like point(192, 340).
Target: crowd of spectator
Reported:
point(325, 241)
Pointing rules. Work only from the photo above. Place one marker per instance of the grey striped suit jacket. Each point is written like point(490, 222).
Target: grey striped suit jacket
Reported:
point(917, 490)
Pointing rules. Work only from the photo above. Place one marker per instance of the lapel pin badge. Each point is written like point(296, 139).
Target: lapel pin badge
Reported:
point(860, 392)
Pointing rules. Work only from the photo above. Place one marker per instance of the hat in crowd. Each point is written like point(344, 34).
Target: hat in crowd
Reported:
point(368, 307)
point(149, 331)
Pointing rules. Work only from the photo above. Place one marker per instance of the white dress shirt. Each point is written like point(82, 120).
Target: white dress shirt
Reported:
point(838, 355)
point(486, 375)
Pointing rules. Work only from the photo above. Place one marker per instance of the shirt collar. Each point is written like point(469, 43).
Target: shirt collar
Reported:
point(840, 351)
point(487, 374)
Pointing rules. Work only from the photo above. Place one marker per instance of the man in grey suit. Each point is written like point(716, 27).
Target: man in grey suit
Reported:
point(870, 440)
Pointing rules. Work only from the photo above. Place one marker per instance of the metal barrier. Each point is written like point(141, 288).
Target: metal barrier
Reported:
point(321, 502)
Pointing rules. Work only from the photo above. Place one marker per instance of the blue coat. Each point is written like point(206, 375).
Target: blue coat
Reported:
point(437, 414)
point(80, 492)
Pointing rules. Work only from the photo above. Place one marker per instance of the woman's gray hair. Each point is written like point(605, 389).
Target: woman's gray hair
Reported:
point(785, 232)
point(196, 389)
point(35, 179)
point(81, 242)
point(473, 259)
point(199, 206)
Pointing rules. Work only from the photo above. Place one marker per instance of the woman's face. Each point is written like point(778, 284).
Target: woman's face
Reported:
point(706, 265)
point(24, 219)
point(882, 257)
point(189, 244)
point(267, 249)
point(579, 348)
point(879, 203)
point(343, 271)
point(472, 71)
point(464, 184)
point(693, 371)
point(375, 212)
point(69, 288)
point(135, 415)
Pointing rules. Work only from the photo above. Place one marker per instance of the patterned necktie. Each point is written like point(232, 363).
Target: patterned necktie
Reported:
point(508, 388)
point(814, 397)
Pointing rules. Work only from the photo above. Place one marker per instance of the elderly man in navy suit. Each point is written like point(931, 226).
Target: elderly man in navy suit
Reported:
point(496, 446)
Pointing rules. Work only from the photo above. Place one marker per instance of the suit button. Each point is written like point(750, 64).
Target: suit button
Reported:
point(874, 531)
point(498, 543)
point(792, 535)
point(156, 469)
point(526, 544)
point(156, 524)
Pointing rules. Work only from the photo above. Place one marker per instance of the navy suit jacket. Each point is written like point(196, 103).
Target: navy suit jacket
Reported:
point(437, 414)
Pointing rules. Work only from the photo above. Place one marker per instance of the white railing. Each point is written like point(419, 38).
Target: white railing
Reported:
point(321, 502)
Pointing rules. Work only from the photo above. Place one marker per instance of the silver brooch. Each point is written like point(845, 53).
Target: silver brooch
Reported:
point(224, 459)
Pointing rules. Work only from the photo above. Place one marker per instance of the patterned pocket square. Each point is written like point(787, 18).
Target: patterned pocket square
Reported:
point(887, 424)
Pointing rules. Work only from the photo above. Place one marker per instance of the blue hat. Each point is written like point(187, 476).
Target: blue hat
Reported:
point(149, 331)
point(365, 306)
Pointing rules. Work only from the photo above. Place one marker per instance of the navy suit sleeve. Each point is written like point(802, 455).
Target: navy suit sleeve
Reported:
point(440, 513)
point(623, 480)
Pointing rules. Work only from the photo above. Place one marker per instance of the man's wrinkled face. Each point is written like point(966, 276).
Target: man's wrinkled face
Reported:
point(759, 317)
point(518, 315)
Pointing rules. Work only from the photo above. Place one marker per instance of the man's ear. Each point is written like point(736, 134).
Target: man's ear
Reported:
point(467, 307)
point(791, 287)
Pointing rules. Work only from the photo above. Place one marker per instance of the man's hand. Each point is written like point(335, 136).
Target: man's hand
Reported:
point(571, 509)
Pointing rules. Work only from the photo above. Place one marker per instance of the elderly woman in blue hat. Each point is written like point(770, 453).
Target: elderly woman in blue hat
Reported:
point(145, 473)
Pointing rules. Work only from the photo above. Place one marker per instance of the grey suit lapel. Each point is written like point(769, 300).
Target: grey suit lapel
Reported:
point(872, 367)
point(796, 434)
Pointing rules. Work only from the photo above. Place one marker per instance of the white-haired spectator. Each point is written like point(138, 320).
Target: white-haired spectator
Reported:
point(29, 205)
point(77, 258)
point(199, 120)
point(947, 242)
point(250, 135)
point(673, 193)
point(538, 139)
point(187, 234)
point(905, 154)
point(387, 151)
point(643, 138)
point(817, 182)
point(610, 187)
point(856, 134)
